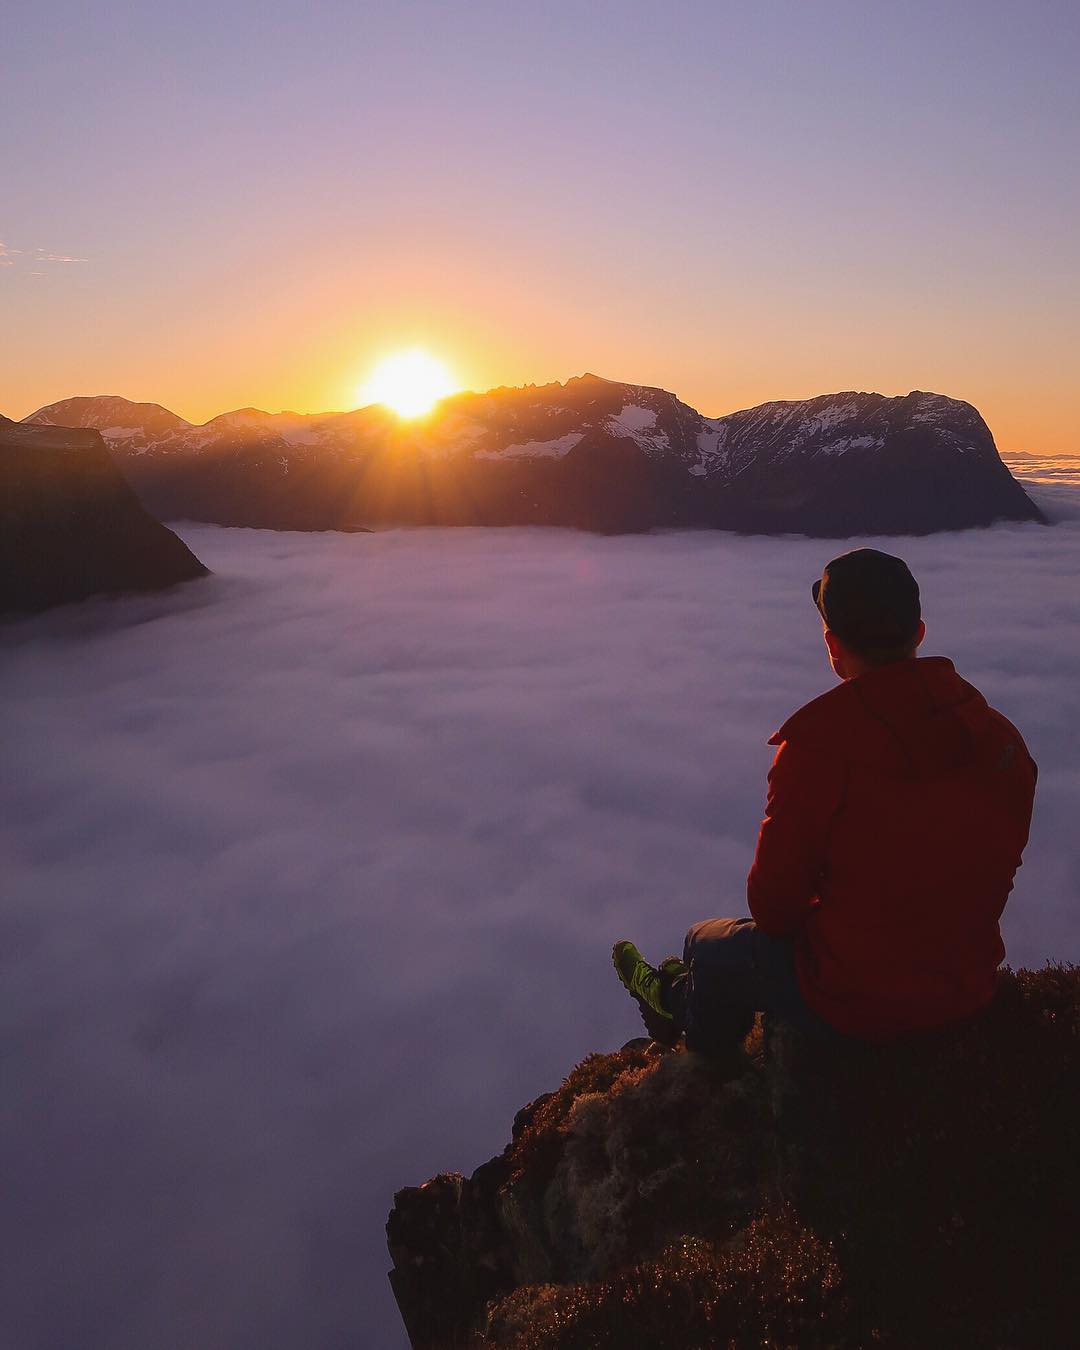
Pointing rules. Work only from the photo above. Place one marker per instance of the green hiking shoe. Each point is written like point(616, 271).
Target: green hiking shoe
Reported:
point(646, 985)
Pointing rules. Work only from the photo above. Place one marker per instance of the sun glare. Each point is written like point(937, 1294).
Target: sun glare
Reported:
point(409, 382)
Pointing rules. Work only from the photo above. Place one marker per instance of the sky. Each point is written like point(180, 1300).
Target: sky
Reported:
point(313, 870)
point(229, 204)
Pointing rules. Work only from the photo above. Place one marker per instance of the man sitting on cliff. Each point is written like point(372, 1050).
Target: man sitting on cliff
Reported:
point(898, 809)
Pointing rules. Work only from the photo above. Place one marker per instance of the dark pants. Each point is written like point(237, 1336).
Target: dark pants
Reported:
point(734, 970)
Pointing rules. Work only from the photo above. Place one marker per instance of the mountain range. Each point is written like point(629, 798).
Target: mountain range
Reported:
point(591, 453)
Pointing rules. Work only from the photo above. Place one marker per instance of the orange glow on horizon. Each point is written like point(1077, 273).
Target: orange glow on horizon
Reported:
point(331, 371)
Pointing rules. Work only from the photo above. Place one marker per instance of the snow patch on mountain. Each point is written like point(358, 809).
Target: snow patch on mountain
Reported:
point(933, 406)
point(639, 423)
point(632, 419)
point(828, 418)
point(711, 448)
point(455, 435)
point(300, 435)
point(553, 449)
point(845, 443)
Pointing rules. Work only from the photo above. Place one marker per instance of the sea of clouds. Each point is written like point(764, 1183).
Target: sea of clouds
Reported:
point(312, 872)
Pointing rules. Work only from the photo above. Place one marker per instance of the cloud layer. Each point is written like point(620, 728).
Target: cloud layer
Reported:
point(313, 870)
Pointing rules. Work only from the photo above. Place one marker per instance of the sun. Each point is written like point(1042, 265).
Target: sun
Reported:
point(410, 382)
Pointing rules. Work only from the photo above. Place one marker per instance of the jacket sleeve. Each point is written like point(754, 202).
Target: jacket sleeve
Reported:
point(806, 790)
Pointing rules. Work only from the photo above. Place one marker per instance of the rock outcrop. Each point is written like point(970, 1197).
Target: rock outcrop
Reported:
point(590, 453)
point(71, 526)
point(918, 1195)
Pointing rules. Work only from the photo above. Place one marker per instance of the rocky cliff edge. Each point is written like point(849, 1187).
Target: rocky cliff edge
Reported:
point(918, 1195)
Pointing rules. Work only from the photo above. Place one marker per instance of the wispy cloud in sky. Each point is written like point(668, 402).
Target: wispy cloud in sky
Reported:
point(312, 871)
point(28, 262)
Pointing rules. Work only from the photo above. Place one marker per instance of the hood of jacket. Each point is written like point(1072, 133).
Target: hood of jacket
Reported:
point(916, 719)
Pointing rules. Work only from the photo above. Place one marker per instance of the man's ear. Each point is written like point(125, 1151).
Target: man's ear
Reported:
point(920, 634)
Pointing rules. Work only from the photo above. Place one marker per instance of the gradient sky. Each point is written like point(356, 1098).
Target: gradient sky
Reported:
point(737, 202)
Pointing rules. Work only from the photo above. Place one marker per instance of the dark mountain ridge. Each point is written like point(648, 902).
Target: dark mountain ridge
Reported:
point(591, 453)
point(71, 527)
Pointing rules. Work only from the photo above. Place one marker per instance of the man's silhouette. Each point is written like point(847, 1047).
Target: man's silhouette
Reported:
point(898, 809)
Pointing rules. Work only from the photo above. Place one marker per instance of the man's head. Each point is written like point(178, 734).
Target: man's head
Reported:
point(869, 603)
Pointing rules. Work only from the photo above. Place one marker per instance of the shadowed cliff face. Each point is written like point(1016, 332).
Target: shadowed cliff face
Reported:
point(592, 453)
point(71, 527)
point(921, 1194)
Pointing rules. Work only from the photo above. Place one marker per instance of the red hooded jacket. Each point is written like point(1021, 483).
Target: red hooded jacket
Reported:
point(899, 805)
